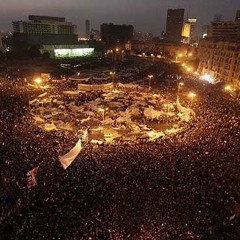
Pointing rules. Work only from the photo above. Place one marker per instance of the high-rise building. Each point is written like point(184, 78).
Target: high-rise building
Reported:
point(188, 30)
point(43, 30)
point(174, 25)
point(114, 35)
point(87, 28)
point(237, 15)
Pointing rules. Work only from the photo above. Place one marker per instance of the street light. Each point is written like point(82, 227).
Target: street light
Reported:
point(192, 95)
point(149, 83)
point(38, 81)
point(181, 84)
point(112, 74)
point(228, 88)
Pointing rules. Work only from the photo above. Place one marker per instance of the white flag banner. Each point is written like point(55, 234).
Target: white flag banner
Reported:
point(31, 177)
point(69, 157)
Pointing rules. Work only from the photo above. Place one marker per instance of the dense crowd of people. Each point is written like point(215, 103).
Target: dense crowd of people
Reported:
point(182, 187)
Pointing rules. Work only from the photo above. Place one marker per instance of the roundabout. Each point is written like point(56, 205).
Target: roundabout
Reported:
point(103, 114)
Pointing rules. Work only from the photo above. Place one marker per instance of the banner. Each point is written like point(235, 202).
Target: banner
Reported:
point(31, 177)
point(69, 157)
point(95, 87)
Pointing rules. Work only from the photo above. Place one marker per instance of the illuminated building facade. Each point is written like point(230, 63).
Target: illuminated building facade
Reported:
point(188, 31)
point(174, 25)
point(220, 59)
point(67, 51)
point(165, 49)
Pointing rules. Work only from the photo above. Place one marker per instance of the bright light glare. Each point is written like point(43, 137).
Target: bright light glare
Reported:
point(76, 52)
point(206, 77)
point(228, 88)
point(38, 80)
point(192, 95)
point(150, 76)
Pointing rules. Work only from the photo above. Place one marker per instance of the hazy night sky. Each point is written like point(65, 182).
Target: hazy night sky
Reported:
point(144, 15)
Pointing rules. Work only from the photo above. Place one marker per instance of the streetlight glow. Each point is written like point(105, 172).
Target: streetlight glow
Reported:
point(192, 95)
point(228, 88)
point(150, 78)
point(38, 81)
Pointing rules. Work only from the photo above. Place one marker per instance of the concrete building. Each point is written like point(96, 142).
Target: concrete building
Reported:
point(116, 35)
point(220, 59)
point(188, 31)
point(174, 25)
point(176, 51)
point(87, 28)
point(142, 36)
point(44, 25)
point(224, 30)
point(43, 30)
point(237, 18)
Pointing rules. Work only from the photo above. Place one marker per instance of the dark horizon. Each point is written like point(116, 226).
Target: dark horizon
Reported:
point(145, 16)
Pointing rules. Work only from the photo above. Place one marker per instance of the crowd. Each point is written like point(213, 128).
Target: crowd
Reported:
point(181, 187)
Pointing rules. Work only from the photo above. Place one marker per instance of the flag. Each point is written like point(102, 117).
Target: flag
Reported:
point(31, 177)
point(69, 157)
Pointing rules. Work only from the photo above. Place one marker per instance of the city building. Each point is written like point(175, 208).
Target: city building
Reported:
point(237, 18)
point(96, 34)
point(220, 60)
point(175, 51)
point(142, 36)
point(116, 35)
point(41, 30)
point(87, 28)
point(188, 31)
point(174, 25)
point(224, 30)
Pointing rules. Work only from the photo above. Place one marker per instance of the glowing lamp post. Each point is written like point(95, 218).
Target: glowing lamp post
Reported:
point(149, 83)
point(181, 84)
point(191, 95)
point(228, 88)
point(38, 81)
point(112, 74)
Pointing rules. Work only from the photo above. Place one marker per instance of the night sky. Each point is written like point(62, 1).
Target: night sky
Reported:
point(144, 15)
